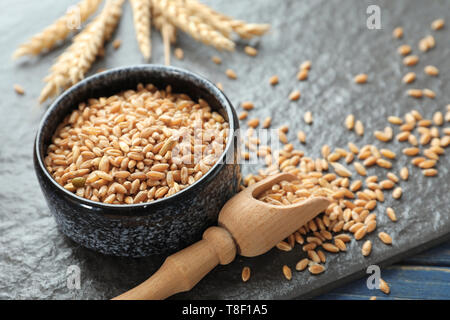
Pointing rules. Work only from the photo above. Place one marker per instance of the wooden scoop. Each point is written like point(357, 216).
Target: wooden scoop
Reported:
point(247, 226)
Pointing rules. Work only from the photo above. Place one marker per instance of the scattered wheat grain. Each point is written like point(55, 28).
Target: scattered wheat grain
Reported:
point(359, 128)
point(397, 33)
point(409, 77)
point(316, 269)
point(253, 123)
point(385, 238)
point(216, 59)
point(287, 272)
point(431, 70)
point(19, 89)
point(308, 117)
point(250, 51)
point(243, 115)
point(360, 78)
point(294, 95)
point(430, 172)
point(302, 74)
point(273, 80)
point(305, 65)
point(301, 136)
point(179, 53)
point(404, 50)
point(437, 24)
point(384, 287)
point(397, 193)
point(245, 274)
point(366, 248)
point(429, 93)
point(267, 122)
point(302, 264)
point(231, 74)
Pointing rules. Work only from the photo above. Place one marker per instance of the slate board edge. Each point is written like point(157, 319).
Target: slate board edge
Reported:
point(390, 261)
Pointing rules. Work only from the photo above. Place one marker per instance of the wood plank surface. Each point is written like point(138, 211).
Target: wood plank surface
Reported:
point(424, 276)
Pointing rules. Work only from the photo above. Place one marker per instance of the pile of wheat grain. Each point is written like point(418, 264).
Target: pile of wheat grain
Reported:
point(136, 146)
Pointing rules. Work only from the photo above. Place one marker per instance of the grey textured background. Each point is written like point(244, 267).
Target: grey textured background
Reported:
point(34, 256)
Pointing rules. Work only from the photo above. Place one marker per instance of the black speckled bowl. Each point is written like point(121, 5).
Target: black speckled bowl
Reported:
point(160, 227)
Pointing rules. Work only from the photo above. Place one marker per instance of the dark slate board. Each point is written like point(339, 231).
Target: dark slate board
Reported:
point(333, 34)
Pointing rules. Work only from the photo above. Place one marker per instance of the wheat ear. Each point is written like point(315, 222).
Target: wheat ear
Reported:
point(76, 60)
point(59, 30)
point(108, 22)
point(178, 15)
point(224, 23)
point(217, 20)
point(141, 18)
point(249, 30)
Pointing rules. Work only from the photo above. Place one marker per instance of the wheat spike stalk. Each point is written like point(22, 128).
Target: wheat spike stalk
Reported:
point(168, 31)
point(160, 22)
point(59, 30)
point(180, 16)
point(76, 60)
point(141, 19)
point(223, 23)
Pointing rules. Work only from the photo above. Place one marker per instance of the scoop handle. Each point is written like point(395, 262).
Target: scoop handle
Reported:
point(183, 270)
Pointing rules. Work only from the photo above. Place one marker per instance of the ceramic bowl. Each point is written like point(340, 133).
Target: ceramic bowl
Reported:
point(159, 227)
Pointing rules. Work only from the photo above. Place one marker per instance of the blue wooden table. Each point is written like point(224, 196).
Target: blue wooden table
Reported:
point(424, 276)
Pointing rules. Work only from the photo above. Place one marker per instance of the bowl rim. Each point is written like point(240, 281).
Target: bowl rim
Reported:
point(150, 68)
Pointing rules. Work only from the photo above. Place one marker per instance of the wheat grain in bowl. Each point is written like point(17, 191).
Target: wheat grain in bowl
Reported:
point(136, 146)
